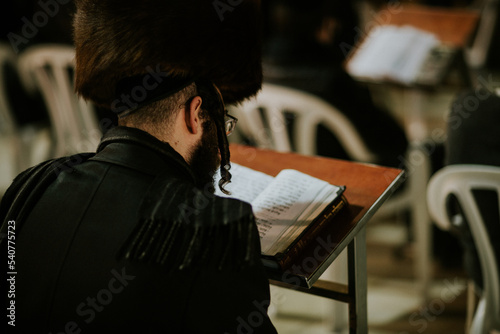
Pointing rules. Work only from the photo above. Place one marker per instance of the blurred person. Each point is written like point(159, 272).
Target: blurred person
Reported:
point(131, 239)
point(472, 129)
point(302, 50)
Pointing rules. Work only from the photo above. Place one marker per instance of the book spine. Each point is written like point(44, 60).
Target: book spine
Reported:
point(285, 260)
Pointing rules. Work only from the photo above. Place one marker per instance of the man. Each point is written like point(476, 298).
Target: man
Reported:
point(132, 239)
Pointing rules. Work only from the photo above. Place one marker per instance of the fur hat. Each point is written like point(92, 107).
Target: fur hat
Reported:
point(215, 40)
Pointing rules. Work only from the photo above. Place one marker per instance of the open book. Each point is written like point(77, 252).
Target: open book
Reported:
point(290, 209)
point(401, 54)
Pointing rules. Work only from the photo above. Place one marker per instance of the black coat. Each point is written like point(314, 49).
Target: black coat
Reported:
point(123, 242)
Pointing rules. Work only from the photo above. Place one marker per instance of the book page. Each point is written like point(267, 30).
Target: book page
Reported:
point(322, 200)
point(246, 184)
point(392, 52)
point(280, 204)
point(283, 206)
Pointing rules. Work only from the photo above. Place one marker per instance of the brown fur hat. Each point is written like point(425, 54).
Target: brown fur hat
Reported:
point(216, 40)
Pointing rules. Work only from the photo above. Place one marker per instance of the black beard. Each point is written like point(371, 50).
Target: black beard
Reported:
point(205, 158)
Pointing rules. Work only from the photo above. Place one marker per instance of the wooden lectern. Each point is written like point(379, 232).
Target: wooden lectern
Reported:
point(367, 187)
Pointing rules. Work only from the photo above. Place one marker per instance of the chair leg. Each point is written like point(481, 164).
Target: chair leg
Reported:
point(420, 219)
point(478, 325)
point(471, 305)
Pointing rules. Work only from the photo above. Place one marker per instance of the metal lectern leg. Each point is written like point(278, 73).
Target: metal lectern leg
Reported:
point(356, 252)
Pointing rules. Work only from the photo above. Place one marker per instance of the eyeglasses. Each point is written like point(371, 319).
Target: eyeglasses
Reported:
point(229, 123)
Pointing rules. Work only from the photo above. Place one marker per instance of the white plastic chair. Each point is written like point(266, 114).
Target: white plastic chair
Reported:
point(309, 110)
point(460, 180)
point(48, 69)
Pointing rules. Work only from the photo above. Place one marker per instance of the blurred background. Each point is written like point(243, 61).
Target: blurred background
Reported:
point(421, 278)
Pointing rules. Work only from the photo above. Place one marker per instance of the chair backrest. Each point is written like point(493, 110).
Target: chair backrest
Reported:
point(49, 69)
point(8, 126)
point(461, 180)
point(263, 119)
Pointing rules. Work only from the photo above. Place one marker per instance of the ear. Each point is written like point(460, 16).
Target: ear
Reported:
point(192, 115)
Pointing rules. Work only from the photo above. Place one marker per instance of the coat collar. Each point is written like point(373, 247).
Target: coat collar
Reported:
point(137, 149)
